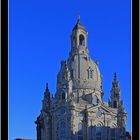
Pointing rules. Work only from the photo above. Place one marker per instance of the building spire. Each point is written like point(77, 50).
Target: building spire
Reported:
point(78, 19)
point(115, 82)
point(47, 87)
point(78, 24)
point(115, 76)
point(47, 92)
point(115, 93)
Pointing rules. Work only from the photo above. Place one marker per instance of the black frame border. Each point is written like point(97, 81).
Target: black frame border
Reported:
point(4, 69)
point(135, 69)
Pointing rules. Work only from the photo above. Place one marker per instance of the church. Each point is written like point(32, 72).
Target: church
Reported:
point(77, 111)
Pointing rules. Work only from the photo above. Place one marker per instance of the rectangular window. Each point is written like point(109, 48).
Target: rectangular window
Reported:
point(91, 75)
point(80, 131)
point(113, 134)
point(98, 133)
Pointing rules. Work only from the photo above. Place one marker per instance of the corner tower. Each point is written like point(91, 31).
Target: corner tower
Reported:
point(115, 93)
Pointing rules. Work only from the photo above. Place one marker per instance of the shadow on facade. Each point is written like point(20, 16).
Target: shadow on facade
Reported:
point(100, 133)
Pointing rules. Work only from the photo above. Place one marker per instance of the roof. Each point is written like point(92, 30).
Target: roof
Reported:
point(79, 25)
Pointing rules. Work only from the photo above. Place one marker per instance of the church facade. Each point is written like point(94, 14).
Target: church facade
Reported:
point(78, 112)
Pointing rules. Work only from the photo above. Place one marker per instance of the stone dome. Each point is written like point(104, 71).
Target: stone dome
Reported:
point(85, 73)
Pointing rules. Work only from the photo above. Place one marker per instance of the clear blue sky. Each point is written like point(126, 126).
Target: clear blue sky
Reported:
point(39, 38)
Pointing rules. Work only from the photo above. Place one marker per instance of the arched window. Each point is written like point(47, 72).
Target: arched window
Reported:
point(80, 131)
point(63, 95)
point(89, 73)
point(112, 133)
point(115, 104)
point(81, 40)
point(62, 129)
point(98, 132)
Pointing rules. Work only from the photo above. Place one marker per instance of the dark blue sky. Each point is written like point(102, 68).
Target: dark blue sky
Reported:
point(39, 38)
